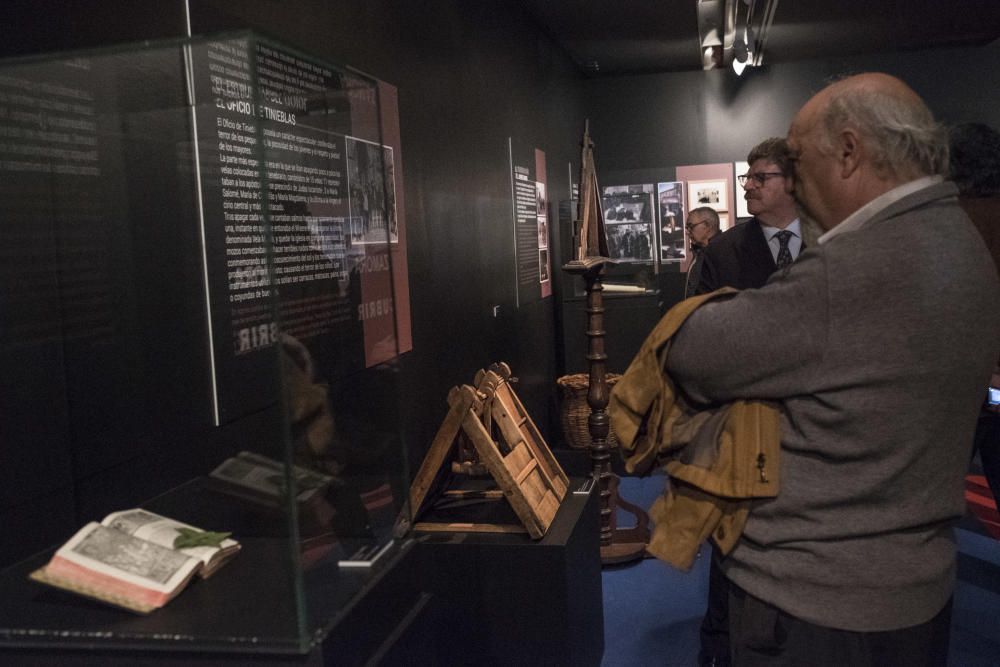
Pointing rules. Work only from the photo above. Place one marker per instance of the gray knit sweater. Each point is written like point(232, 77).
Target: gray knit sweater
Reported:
point(879, 346)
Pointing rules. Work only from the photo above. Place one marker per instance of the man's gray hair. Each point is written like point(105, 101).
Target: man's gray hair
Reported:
point(713, 215)
point(903, 135)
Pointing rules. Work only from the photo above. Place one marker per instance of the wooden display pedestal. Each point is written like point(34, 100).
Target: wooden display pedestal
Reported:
point(592, 257)
point(627, 544)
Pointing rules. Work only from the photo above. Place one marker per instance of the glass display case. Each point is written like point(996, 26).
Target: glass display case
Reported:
point(203, 302)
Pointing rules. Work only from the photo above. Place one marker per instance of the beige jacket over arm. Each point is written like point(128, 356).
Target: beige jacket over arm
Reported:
point(719, 458)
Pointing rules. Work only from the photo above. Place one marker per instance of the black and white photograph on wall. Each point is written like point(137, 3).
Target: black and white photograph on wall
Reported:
point(373, 193)
point(543, 265)
point(740, 168)
point(540, 198)
point(543, 231)
point(617, 209)
point(670, 197)
point(629, 222)
point(708, 193)
point(630, 242)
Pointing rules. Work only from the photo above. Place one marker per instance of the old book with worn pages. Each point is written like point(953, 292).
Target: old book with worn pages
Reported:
point(135, 559)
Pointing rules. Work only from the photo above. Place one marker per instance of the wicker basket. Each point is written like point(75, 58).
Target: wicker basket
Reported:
point(575, 411)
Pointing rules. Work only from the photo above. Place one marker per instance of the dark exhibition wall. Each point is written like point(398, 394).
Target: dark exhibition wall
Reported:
point(645, 125)
point(469, 76)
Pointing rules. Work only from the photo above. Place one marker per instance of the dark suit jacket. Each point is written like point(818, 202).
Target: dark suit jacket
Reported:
point(739, 258)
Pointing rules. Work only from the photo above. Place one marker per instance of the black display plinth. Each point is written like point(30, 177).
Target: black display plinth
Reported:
point(511, 600)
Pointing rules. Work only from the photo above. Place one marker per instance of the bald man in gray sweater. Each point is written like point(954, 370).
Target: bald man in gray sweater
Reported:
point(876, 344)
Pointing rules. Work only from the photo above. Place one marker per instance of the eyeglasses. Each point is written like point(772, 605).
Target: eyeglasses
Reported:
point(691, 227)
point(759, 179)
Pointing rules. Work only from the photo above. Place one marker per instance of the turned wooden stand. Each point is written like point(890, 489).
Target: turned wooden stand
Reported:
point(618, 545)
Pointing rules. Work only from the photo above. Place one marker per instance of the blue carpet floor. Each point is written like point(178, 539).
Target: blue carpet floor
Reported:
point(652, 611)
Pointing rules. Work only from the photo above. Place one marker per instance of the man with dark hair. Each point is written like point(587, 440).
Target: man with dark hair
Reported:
point(975, 169)
point(975, 160)
point(745, 256)
point(888, 331)
point(702, 228)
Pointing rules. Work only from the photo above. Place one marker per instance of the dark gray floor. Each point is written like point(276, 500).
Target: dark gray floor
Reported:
point(652, 611)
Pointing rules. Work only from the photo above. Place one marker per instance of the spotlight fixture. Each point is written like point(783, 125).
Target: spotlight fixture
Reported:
point(739, 66)
point(711, 57)
point(741, 53)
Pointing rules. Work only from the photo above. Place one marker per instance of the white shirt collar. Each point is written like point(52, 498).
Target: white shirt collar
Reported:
point(795, 227)
point(858, 219)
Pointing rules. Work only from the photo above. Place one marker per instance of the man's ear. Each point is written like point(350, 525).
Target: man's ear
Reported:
point(849, 152)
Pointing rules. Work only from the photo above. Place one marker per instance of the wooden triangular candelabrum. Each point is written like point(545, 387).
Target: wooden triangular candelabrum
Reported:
point(618, 545)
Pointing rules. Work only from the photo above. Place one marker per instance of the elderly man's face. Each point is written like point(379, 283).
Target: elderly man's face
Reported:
point(814, 175)
point(700, 227)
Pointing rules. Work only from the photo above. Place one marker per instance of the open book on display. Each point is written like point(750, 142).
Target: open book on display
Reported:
point(130, 559)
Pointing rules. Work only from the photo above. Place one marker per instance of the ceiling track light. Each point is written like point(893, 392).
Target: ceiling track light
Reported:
point(739, 55)
point(711, 57)
point(734, 32)
point(711, 32)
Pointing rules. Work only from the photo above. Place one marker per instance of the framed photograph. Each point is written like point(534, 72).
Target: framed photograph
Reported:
point(543, 265)
point(372, 190)
point(708, 193)
point(740, 168)
point(670, 197)
point(630, 242)
point(629, 220)
point(541, 202)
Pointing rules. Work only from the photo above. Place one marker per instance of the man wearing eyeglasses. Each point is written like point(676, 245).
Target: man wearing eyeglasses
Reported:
point(745, 256)
point(702, 228)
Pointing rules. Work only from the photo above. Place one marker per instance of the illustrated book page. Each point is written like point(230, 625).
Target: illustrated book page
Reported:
point(112, 566)
point(163, 531)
